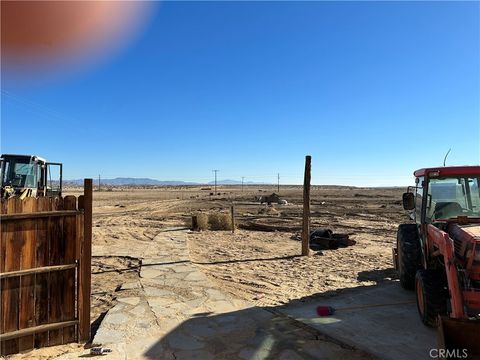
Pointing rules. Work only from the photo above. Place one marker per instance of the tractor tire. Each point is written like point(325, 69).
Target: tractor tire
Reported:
point(432, 294)
point(409, 254)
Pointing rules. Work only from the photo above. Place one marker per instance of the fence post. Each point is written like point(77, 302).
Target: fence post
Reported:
point(85, 265)
point(232, 210)
point(195, 223)
point(306, 207)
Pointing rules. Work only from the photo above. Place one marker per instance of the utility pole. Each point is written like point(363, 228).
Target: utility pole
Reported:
point(98, 182)
point(278, 183)
point(215, 171)
point(243, 178)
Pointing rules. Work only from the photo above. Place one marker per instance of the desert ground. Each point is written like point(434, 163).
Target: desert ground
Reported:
point(263, 267)
point(259, 266)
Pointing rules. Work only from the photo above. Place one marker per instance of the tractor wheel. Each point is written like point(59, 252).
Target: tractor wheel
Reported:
point(409, 254)
point(432, 295)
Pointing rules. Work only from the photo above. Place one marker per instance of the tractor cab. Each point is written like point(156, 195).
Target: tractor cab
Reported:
point(29, 175)
point(443, 194)
point(449, 200)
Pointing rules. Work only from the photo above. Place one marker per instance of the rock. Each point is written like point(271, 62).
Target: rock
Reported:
point(130, 300)
point(108, 336)
point(130, 286)
point(117, 318)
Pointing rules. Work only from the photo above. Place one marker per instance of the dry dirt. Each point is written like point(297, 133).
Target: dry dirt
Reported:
point(265, 267)
point(259, 266)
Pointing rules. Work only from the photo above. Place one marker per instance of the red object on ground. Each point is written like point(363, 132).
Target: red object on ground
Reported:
point(323, 310)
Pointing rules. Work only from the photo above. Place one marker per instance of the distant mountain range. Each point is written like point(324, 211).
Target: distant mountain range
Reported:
point(147, 182)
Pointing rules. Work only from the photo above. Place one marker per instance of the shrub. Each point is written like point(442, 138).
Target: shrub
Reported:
point(213, 221)
point(220, 221)
point(202, 222)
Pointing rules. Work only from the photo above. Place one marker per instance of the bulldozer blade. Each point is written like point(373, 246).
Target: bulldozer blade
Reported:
point(458, 338)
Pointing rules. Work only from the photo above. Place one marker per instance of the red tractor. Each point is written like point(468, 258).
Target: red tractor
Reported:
point(438, 254)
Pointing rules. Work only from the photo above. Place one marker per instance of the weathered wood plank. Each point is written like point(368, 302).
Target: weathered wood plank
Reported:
point(56, 257)
point(30, 215)
point(10, 287)
point(3, 210)
point(78, 255)
point(69, 235)
point(26, 311)
point(42, 280)
point(3, 206)
point(81, 205)
point(37, 329)
point(37, 271)
point(3, 234)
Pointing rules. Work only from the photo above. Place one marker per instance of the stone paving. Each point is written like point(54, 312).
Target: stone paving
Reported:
point(181, 315)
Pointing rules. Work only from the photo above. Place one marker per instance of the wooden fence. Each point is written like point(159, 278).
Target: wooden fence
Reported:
point(45, 271)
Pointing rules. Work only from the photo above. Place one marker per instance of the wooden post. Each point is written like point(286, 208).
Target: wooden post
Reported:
point(85, 265)
point(233, 218)
point(195, 223)
point(42, 280)
point(306, 207)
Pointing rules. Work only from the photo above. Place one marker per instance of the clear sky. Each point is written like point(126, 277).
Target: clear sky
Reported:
point(371, 90)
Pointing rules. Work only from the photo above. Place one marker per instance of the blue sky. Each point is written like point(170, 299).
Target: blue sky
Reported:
point(372, 90)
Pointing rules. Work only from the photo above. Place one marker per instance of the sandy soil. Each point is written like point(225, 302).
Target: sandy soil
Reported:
point(259, 266)
point(263, 267)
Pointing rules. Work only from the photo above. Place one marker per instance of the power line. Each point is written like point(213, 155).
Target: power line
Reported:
point(39, 109)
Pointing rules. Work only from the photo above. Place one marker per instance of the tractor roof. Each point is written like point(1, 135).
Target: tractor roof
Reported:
point(449, 171)
point(32, 157)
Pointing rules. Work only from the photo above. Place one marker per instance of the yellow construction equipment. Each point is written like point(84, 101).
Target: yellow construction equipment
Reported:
point(29, 176)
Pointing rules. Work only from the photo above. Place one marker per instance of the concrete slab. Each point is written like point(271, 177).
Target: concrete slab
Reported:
point(392, 332)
